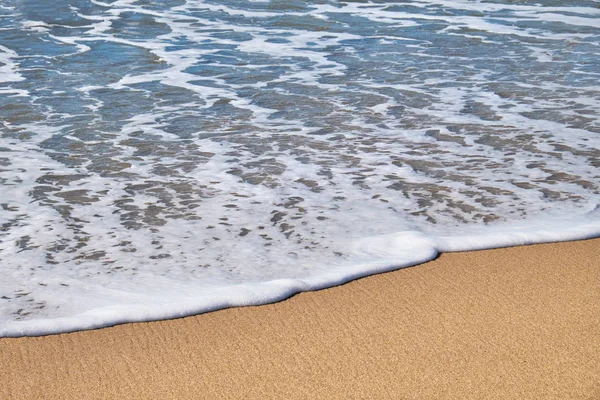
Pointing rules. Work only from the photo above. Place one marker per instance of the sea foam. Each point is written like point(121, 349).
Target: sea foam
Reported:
point(166, 159)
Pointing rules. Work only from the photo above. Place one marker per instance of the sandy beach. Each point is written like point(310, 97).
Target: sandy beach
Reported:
point(516, 323)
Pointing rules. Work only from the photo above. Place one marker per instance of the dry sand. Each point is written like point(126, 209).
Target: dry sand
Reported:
point(518, 323)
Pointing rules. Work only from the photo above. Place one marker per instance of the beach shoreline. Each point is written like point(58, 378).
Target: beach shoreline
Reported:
point(519, 322)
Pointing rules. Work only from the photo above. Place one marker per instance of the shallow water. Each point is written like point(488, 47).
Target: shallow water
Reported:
point(162, 158)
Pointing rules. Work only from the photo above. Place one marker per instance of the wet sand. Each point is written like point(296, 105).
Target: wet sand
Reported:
point(516, 323)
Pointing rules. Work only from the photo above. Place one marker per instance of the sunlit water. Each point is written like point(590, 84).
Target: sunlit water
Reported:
point(163, 158)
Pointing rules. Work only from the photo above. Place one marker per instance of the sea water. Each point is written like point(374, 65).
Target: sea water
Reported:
point(166, 158)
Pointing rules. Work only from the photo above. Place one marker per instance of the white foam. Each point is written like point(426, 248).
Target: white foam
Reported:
point(385, 253)
point(8, 66)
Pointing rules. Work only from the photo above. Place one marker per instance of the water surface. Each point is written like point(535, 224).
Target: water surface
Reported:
point(162, 158)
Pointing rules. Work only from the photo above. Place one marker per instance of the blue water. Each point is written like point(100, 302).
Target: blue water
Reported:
point(165, 158)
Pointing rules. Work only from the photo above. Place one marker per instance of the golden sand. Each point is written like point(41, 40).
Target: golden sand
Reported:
point(517, 323)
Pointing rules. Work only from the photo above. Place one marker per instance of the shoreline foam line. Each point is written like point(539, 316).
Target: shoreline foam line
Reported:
point(392, 249)
point(509, 323)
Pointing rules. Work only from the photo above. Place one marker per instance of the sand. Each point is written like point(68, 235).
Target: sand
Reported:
point(517, 323)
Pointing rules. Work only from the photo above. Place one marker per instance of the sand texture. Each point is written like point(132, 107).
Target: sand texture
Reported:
point(517, 323)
